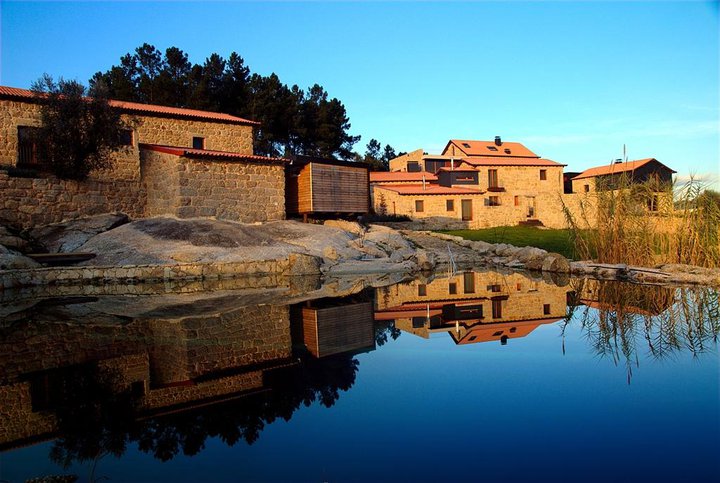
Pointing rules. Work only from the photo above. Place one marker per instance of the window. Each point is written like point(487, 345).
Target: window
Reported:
point(198, 142)
point(27, 149)
point(413, 167)
point(465, 145)
point(464, 177)
point(418, 322)
point(419, 206)
point(543, 174)
point(126, 137)
point(507, 151)
point(546, 309)
point(452, 288)
point(432, 165)
point(493, 288)
point(494, 201)
point(497, 308)
point(469, 282)
point(518, 286)
point(492, 178)
point(587, 188)
point(492, 148)
point(450, 205)
point(422, 290)
point(517, 201)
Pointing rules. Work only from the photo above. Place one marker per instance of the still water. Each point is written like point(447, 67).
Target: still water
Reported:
point(476, 376)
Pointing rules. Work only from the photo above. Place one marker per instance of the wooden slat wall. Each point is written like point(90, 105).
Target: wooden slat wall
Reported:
point(304, 195)
point(335, 330)
point(310, 330)
point(339, 189)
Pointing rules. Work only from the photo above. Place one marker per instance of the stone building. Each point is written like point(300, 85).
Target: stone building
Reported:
point(182, 162)
point(614, 174)
point(473, 184)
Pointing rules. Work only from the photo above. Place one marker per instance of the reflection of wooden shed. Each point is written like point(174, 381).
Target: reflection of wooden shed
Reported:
point(326, 186)
point(333, 330)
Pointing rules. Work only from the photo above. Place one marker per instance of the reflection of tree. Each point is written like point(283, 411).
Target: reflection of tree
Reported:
point(91, 413)
point(385, 331)
point(95, 419)
point(620, 318)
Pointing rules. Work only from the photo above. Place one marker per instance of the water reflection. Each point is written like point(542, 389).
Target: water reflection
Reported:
point(167, 371)
point(620, 319)
point(473, 307)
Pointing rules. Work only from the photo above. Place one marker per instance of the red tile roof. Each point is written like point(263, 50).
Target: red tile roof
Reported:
point(484, 332)
point(206, 153)
point(489, 148)
point(400, 176)
point(509, 161)
point(616, 168)
point(151, 109)
point(430, 189)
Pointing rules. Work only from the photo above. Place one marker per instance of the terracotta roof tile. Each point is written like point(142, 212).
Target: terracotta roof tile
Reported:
point(489, 148)
point(509, 161)
point(206, 153)
point(139, 108)
point(430, 189)
point(400, 176)
point(615, 168)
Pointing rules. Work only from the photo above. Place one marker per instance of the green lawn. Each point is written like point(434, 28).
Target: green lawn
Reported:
point(521, 236)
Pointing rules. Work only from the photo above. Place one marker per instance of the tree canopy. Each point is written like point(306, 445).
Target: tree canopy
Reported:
point(79, 131)
point(293, 121)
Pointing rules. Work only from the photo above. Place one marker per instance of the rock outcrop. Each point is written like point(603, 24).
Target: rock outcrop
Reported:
point(68, 236)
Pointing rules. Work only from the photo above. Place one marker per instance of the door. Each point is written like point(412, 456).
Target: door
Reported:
point(531, 210)
point(467, 210)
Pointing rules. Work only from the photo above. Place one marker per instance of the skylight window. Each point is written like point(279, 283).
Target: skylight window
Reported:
point(466, 145)
point(492, 148)
point(507, 151)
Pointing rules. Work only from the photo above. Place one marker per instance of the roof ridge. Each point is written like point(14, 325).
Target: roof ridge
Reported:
point(146, 108)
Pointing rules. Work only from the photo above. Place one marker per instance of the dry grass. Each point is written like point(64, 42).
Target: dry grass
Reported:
point(661, 322)
point(684, 226)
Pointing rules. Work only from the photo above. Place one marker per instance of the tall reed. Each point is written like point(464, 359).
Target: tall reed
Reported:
point(647, 224)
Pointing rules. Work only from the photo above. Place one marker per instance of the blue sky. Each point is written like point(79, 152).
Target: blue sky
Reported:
point(573, 81)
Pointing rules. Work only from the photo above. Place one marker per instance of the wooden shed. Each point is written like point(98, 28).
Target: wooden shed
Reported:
point(326, 186)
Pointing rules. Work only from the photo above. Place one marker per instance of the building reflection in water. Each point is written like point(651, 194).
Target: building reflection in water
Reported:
point(171, 375)
point(473, 307)
point(168, 372)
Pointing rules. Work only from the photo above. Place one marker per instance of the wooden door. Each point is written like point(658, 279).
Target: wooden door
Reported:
point(467, 210)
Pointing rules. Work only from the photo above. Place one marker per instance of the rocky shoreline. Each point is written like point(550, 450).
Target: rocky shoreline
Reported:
point(168, 249)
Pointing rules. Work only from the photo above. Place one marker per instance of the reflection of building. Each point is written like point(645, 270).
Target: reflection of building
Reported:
point(473, 307)
point(329, 329)
point(169, 362)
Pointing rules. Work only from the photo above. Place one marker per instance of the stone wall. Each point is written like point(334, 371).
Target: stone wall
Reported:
point(235, 191)
point(147, 273)
point(27, 202)
point(169, 131)
point(231, 190)
point(513, 208)
point(219, 136)
point(161, 180)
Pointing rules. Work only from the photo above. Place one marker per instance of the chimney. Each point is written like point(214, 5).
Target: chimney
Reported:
point(618, 161)
point(498, 141)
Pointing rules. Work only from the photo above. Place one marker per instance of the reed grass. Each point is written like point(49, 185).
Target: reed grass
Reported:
point(682, 227)
point(660, 322)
